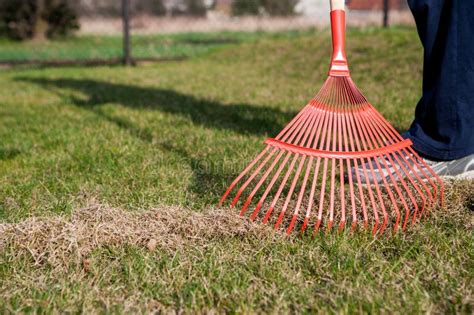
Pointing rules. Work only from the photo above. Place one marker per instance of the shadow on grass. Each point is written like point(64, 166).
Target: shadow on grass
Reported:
point(40, 63)
point(241, 118)
point(7, 154)
point(209, 41)
point(187, 41)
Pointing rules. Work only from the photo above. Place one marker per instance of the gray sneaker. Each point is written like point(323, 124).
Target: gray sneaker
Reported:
point(457, 169)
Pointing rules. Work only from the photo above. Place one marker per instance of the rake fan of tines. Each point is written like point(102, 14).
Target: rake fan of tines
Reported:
point(329, 165)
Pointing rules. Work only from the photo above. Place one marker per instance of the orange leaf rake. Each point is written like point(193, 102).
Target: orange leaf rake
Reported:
point(338, 160)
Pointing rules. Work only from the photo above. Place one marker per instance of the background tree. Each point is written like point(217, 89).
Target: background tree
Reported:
point(271, 7)
point(386, 8)
point(17, 18)
point(279, 7)
point(61, 18)
point(246, 7)
point(37, 19)
point(40, 27)
point(196, 7)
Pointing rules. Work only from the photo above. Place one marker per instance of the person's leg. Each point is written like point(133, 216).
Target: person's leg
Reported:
point(443, 128)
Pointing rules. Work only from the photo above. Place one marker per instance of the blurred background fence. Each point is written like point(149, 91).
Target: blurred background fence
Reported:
point(62, 32)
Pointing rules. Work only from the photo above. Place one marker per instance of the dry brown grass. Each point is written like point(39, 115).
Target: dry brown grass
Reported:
point(59, 248)
point(62, 240)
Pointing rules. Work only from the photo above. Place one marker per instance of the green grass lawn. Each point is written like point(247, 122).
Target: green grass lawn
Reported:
point(172, 136)
point(87, 47)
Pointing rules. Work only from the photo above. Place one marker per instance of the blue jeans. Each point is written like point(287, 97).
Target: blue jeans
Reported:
point(443, 128)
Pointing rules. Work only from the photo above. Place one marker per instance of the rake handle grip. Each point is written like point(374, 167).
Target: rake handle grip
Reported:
point(339, 66)
point(337, 5)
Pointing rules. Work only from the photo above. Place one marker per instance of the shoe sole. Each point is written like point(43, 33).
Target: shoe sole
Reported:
point(464, 176)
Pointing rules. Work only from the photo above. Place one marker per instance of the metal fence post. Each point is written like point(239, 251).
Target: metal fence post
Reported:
point(386, 8)
point(127, 58)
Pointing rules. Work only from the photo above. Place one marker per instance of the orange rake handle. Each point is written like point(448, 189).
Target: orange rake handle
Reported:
point(339, 66)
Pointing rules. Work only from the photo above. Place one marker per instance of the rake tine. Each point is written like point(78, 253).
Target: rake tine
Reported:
point(408, 191)
point(356, 168)
point(331, 196)
point(293, 125)
point(372, 144)
point(332, 191)
point(250, 179)
point(415, 159)
point(386, 132)
point(360, 101)
point(371, 196)
point(300, 196)
point(313, 140)
point(321, 132)
point(402, 153)
point(260, 183)
point(379, 194)
point(342, 222)
point(337, 145)
point(400, 195)
point(246, 170)
point(311, 196)
point(321, 196)
point(368, 145)
point(293, 185)
point(267, 191)
point(260, 203)
point(335, 128)
point(373, 138)
point(290, 127)
point(434, 175)
point(325, 169)
point(352, 195)
point(361, 195)
point(280, 189)
point(341, 178)
point(348, 163)
point(417, 188)
point(299, 129)
point(290, 192)
point(413, 153)
point(367, 180)
point(373, 128)
point(303, 126)
point(412, 170)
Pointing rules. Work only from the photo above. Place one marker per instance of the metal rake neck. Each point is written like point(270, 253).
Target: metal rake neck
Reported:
point(339, 66)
